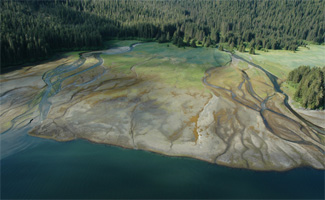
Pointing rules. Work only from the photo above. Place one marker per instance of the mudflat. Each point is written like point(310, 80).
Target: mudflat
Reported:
point(200, 103)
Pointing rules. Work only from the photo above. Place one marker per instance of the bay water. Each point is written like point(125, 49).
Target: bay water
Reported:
point(81, 169)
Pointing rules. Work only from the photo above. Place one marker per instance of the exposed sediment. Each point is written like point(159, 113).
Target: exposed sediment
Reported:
point(242, 123)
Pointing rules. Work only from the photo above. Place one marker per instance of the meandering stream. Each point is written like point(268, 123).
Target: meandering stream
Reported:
point(15, 138)
point(277, 88)
point(262, 102)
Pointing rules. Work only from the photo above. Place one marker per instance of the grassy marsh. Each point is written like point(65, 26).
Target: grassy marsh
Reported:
point(180, 67)
point(281, 62)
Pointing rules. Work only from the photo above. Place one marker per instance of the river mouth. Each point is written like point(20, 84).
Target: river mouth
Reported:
point(139, 98)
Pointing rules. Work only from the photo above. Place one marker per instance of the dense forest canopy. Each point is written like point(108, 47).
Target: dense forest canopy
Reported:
point(32, 30)
point(310, 86)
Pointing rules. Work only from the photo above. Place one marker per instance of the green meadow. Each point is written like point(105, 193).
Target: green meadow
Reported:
point(281, 62)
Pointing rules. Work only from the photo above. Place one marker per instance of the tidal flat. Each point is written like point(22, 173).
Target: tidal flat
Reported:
point(200, 103)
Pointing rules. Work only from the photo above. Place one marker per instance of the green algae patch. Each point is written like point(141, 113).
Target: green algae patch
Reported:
point(179, 67)
point(189, 55)
point(182, 75)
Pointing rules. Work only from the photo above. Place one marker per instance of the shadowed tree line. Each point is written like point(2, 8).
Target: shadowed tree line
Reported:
point(310, 86)
point(33, 30)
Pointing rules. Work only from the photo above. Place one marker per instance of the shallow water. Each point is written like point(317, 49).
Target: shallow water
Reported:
point(80, 169)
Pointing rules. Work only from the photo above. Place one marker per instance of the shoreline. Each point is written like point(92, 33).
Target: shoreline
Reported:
point(230, 134)
point(319, 114)
point(160, 153)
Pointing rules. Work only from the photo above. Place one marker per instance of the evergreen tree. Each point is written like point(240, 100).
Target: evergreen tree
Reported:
point(175, 39)
point(33, 30)
point(232, 45)
point(193, 43)
point(168, 37)
point(162, 38)
point(208, 42)
point(252, 51)
point(188, 43)
point(310, 90)
point(180, 42)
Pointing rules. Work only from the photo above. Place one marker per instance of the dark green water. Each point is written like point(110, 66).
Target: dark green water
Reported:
point(81, 169)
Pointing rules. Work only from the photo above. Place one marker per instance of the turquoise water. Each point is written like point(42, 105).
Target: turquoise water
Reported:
point(80, 169)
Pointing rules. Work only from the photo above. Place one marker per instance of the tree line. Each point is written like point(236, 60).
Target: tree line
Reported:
point(32, 30)
point(310, 86)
